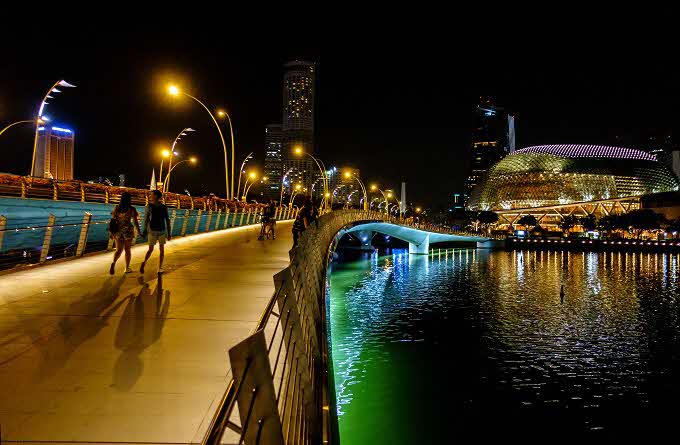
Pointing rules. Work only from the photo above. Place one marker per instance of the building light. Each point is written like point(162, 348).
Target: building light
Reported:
point(65, 130)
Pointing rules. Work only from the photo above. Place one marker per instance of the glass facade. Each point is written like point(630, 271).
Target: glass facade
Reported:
point(550, 175)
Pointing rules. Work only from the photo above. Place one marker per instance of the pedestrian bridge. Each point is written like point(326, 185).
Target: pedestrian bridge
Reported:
point(140, 358)
point(419, 239)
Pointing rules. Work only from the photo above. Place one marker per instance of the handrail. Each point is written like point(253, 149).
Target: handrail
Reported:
point(291, 401)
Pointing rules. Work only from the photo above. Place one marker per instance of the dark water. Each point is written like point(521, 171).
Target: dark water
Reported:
point(479, 345)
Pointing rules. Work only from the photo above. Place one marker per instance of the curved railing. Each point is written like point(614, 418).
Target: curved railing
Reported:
point(64, 232)
point(280, 372)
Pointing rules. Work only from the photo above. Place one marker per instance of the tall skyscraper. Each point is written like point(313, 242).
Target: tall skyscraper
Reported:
point(492, 139)
point(298, 121)
point(273, 161)
point(54, 153)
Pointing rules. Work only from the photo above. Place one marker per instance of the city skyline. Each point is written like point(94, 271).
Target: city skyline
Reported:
point(374, 118)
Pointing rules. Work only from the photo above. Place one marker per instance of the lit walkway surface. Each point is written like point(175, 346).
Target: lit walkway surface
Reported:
point(85, 357)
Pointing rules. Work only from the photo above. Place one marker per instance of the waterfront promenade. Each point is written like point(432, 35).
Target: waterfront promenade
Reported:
point(90, 358)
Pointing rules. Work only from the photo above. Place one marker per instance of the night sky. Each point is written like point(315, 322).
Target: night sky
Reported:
point(397, 106)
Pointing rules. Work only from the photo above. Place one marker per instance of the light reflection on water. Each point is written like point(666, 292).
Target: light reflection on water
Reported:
point(422, 345)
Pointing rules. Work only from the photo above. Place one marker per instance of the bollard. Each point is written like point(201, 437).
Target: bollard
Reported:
point(3, 226)
point(240, 221)
point(48, 238)
point(217, 221)
point(226, 219)
point(207, 223)
point(185, 223)
point(172, 222)
point(82, 239)
point(198, 220)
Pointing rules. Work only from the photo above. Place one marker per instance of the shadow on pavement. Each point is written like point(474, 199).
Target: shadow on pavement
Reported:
point(140, 326)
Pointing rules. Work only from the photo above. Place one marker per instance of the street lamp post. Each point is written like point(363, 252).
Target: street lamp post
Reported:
point(322, 169)
point(240, 172)
point(246, 187)
point(172, 154)
point(361, 184)
point(39, 118)
point(233, 156)
point(349, 199)
point(167, 176)
point(174, 91)
point(19, 122)
point(386, 196)
point(164, 154)
point(295, 192)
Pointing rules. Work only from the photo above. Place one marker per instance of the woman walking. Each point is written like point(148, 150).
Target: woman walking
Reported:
point(124, 215)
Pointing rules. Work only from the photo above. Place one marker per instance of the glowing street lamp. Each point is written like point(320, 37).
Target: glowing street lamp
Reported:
point(173, 90)
point(164, 155)
point(322, 169)
point(361, 184)
point(385, 195)
point(246, 188)
point(25, 121)
point(191, 160)
point(39, 117)
point(173, 153)
point(241, 171)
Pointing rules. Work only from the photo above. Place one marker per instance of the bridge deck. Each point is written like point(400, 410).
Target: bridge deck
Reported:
point(89, 358)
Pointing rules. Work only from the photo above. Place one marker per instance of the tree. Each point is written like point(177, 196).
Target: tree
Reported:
point(527, 220)
point(486, 217)
point(567, 223)
point(643, 219)
point(589, 223)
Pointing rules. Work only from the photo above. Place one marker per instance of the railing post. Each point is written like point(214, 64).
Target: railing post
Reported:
point(172, 221)
point(82, 193)
point(217, 221)
point(198, 220)
point(207, 223)
point(192, 202)
point(48, 238)
point(240, 221)
point(106, 195)
point(3, 226)
point(276, 214)
point(226, 218)
point(55, 191)
point(82, 240)
point(233, 221)
point(23, 187)
point(248, 217)
point(185, 223)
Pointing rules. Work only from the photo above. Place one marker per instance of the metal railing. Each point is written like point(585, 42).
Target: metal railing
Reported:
point(279, 392)
point(26, 241)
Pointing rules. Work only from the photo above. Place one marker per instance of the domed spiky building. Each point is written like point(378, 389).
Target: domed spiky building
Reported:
point(553, 175)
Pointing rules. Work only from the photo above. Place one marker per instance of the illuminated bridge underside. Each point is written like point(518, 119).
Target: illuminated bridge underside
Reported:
point(552, 215)
point(419, 240)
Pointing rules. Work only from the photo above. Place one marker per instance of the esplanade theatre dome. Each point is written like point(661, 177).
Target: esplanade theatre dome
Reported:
point(548, 175)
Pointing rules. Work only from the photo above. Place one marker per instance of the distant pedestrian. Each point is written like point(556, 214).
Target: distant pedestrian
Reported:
point(314, 215)
point(157, 226)
point(302, 221)
point(122, 229)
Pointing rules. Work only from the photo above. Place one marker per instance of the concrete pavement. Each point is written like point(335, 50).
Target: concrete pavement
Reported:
point(85, 357)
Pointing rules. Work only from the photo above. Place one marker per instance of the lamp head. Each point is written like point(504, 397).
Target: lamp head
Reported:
point(173, 90)
point(165, 153)
point(297, 150)
point(374, 187)
point(193, 160)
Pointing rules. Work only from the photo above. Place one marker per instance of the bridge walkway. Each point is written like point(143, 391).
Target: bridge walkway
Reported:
point(85, 357)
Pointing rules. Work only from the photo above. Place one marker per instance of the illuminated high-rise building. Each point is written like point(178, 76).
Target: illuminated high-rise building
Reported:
point(273, 161)
point(298, 121)
point(54, 153)
point(493, 138)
